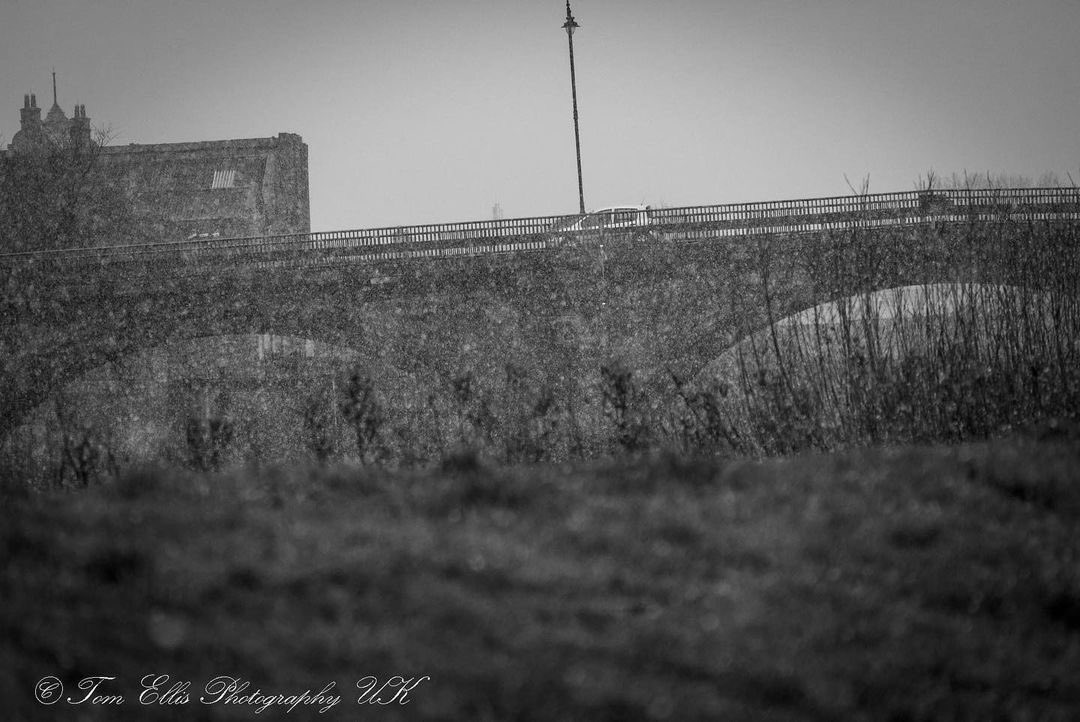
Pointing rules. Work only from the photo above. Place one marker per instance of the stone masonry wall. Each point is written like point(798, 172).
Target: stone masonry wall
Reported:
point(211, 189)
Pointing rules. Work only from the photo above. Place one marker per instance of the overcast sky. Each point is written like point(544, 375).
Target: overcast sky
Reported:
point(420, 111)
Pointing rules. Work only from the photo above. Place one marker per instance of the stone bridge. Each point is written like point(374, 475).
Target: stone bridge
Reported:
point(661, 298)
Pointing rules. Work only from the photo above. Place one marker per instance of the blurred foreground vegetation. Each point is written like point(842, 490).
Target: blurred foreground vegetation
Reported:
point(899, 583)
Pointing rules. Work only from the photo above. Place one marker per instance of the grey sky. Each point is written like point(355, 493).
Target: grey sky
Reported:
point(433, 110)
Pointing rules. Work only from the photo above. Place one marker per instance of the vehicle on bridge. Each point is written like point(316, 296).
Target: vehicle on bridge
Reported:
point(934, 202)
point(632, 221)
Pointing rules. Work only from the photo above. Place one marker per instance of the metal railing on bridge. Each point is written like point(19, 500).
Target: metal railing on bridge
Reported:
point(538, 233)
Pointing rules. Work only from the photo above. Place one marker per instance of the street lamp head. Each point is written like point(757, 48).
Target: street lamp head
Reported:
point(570, 23)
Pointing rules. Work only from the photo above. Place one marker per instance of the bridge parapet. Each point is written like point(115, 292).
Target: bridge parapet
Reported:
point(515, 235)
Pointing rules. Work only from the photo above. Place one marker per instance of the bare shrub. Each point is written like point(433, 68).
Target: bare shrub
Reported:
point(318, 424)
point(477, 422)
point(86, 455)
point(621, 400)
point(360, 407)
point(208, 439)
point(530, 413)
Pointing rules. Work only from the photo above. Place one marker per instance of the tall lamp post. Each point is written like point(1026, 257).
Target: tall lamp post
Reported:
point(569, 26)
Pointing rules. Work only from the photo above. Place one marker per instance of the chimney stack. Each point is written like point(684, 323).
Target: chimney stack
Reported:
point(80, 128)
point(30, 115)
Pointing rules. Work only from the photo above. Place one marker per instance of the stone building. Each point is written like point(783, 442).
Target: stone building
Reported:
point(202, 189)
point(57, 128)
point(221, 188)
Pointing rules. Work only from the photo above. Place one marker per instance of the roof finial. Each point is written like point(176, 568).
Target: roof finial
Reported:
point(54, 82)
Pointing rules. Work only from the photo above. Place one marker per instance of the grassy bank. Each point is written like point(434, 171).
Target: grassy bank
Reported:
point(907, 583)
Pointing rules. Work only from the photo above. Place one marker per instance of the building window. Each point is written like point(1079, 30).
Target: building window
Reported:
point(223, 179)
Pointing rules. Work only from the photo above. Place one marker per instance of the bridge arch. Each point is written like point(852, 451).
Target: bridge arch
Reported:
point(970, 358)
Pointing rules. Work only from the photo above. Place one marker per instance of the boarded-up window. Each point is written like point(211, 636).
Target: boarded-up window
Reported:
point(223, 179)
